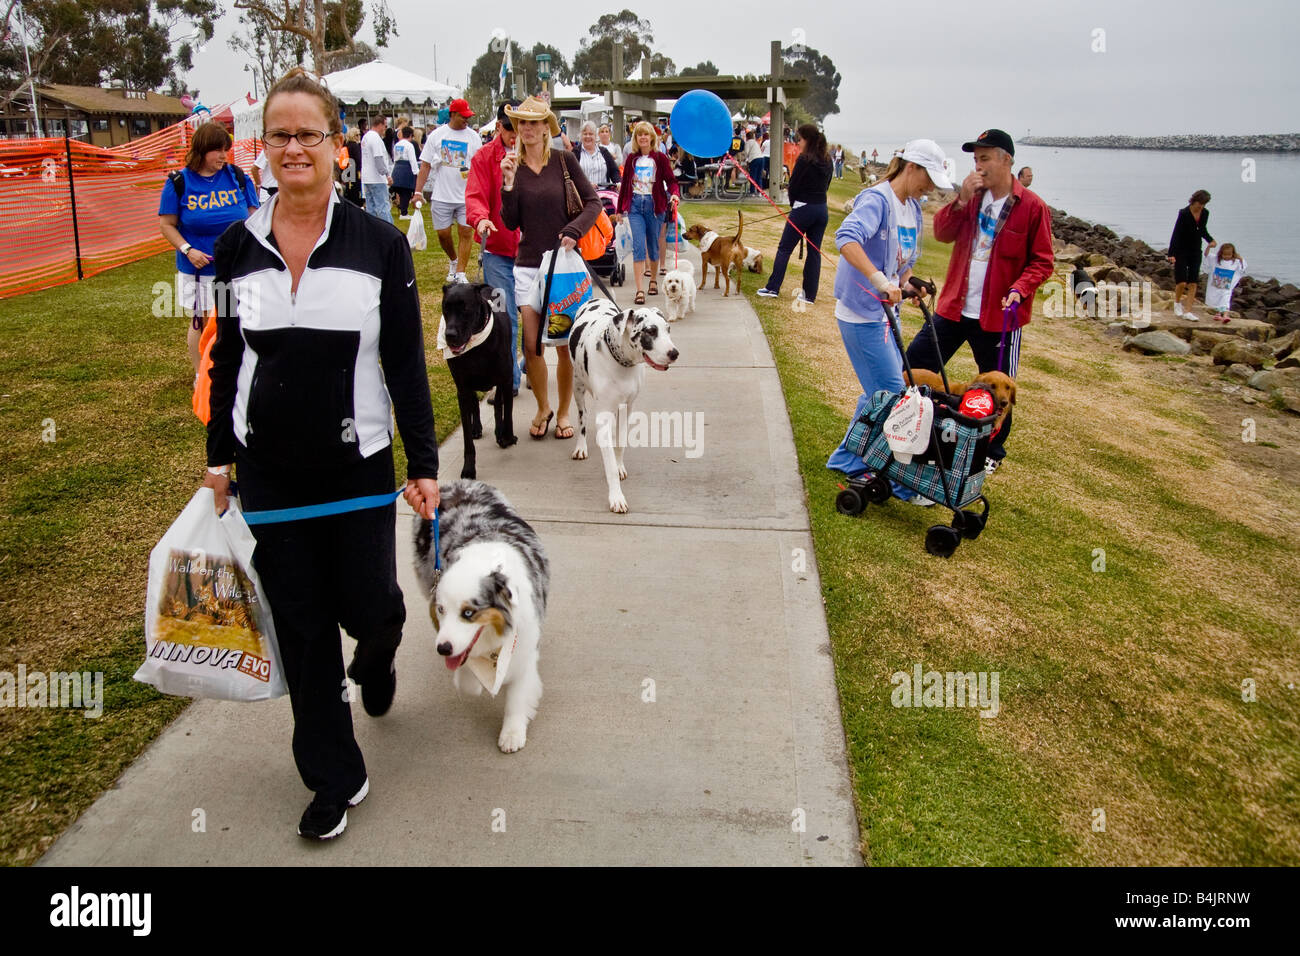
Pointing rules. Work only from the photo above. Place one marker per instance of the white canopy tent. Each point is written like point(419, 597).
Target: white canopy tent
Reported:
point(378, 82)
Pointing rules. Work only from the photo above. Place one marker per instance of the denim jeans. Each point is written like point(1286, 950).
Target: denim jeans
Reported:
point(499, 273)
point(812, 219)
point(377, 203)
point(878, 365)
point(645, 225)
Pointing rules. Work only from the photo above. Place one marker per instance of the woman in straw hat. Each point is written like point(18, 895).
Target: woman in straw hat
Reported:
point(533, 201)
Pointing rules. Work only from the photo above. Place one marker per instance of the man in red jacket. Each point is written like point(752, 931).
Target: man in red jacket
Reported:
point(483, 213)
point(1002, 252)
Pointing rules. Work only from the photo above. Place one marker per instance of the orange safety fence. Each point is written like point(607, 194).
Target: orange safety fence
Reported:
point(116, 189)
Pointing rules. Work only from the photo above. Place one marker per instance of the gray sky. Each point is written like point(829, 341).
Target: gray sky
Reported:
point(955, 69)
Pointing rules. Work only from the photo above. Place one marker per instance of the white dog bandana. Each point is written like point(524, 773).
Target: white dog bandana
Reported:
point(707, 240)
point(478, 338)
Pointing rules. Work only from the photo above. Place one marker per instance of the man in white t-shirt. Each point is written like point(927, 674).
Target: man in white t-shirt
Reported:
point(264, 178)
point(376, 169)
point(447, 154)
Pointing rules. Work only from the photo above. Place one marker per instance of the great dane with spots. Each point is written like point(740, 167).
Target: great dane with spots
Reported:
point(611, 349)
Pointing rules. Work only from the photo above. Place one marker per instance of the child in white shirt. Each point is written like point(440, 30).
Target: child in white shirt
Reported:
point(1224, 269)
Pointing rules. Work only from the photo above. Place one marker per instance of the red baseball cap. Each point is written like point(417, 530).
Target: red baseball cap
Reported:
point(461, 107)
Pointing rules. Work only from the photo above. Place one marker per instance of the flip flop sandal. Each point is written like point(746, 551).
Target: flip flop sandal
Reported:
point(563, 428)
point(532, 429)
point(663, 272)
point(653, 290)
point(639, 299)
point(646, 273)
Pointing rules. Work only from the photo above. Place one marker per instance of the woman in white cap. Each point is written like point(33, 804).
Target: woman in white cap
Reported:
point(879, 241)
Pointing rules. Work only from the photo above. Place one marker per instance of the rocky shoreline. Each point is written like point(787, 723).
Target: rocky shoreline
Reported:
point(1268, 142)
point(1261, 300)
point(1258, 350)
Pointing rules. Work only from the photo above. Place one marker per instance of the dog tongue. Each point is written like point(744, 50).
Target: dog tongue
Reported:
point(454, 662)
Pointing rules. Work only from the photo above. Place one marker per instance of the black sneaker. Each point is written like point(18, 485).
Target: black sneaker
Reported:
point(324, 819)
point(378, 684)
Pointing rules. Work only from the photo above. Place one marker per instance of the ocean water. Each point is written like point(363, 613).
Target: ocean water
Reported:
point(1139, 192)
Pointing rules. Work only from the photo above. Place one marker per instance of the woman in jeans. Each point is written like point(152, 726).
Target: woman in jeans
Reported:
point(809, 181)
point(879, 241)
point(648, 192)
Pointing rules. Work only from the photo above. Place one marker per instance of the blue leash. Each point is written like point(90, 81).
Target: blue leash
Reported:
point(278, 515)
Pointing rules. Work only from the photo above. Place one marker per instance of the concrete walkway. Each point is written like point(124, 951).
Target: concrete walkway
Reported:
point(694, 590)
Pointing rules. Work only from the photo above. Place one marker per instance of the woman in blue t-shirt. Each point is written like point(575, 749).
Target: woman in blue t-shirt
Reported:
point(212, 195)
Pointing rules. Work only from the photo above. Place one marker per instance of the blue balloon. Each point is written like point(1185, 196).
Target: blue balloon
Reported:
point(701, 124)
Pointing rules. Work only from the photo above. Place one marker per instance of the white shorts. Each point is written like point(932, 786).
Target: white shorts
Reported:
point(195, 293)
point(528, 291)
point(445, 212)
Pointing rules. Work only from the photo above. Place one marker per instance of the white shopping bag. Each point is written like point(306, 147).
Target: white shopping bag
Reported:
point(208, 631)
point(570, 289)
point(415, 234)
point(907, 429)
point(622, 240)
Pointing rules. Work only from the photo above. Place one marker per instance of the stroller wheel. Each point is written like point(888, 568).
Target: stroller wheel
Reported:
point(971, 523)
point(850, 502)
point(878, 490)
point(942, 541)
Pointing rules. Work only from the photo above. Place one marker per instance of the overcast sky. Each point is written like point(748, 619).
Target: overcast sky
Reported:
point(953, 70)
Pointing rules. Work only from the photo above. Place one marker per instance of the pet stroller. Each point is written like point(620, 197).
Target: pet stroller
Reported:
point(951, 469)
point(607, 264)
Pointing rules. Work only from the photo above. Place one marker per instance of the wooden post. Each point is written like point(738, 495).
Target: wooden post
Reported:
point(619, 132)
point(776, 129)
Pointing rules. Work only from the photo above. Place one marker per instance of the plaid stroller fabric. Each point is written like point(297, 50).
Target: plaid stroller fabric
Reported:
point(959, 450)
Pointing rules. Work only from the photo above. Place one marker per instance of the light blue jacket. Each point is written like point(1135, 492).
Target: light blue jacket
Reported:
point(872, 225)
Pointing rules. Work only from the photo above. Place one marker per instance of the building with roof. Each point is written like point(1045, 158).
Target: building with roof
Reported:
point(101, 116)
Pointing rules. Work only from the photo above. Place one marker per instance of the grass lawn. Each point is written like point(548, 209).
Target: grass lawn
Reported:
point(79, 515)
point(1120, 689)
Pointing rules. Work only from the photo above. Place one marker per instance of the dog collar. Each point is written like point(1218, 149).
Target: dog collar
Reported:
point(615, 350)
point(478, 338)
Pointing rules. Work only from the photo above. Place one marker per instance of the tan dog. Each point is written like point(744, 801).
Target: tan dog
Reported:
point(723, 253)
point(1001, 385)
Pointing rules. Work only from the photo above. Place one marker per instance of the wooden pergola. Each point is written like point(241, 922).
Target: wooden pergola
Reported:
point(640, 95)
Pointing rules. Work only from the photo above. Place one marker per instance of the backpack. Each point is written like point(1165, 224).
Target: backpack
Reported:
point(177, 179)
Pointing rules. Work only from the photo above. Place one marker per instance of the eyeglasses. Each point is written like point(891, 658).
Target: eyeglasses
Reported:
point(279, 138)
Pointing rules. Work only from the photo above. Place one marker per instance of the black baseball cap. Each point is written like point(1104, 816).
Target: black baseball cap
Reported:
point(991, 137)
point(502, 120)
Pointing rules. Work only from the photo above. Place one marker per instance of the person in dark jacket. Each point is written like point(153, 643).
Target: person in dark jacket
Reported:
point(319, 342)
point(1185, 251)
point(809, 181)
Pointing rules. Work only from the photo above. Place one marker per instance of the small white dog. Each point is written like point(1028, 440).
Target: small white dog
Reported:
point(679, 290)
point(611, 349)
point(489, 602)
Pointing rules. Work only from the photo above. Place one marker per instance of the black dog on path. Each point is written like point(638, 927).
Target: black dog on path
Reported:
point(477, 366)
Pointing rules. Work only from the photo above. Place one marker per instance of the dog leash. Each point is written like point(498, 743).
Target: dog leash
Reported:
point(279, 515)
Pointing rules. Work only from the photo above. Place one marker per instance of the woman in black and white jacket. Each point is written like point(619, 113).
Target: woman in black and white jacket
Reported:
point(313, 296)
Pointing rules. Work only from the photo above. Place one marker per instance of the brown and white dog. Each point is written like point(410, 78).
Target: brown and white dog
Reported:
point(1001, 385)
point(722, 252)
point(753, 260)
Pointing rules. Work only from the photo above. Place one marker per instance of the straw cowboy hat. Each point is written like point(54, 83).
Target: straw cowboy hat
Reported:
point(533, 108)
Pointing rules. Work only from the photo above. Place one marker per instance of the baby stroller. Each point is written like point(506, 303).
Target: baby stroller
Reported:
point(951, 469)
point(607, 264)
